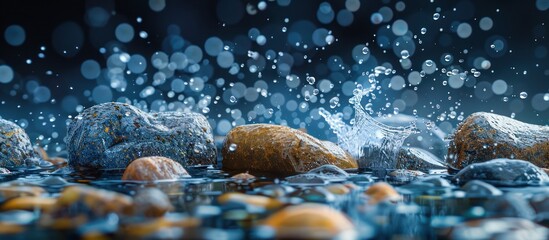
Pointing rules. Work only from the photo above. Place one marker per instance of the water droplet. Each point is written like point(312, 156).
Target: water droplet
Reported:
point(232, 147)
point(404, 54)
point(436, 16)
point(334, 102)
point(365, 50)
point(546, 97)
point(423, 30)
point(523, 95)
point(232, 99)
point(429, 63)
point(311, 80)
point(448, 58)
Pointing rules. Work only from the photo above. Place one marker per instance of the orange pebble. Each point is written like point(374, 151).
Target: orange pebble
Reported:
point(382, 191)
point(154, 168)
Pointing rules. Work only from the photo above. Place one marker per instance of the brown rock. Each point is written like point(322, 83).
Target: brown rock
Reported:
point(311, 221)
point(255, 200)
point(382, 191)
point(8, 192)
point(486, 136)
point(82, 199)
point(154, 168)
point(151, 202)
point(243, 177)
point(28, 203)
point(279, 149)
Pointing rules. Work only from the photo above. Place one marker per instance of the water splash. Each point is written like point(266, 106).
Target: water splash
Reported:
point(374, 144)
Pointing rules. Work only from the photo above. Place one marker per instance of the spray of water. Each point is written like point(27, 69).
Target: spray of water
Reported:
point(374, 144)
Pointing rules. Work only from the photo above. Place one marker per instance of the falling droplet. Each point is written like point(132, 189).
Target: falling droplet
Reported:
point(436, 16)
point(429, 63)
point(311, 80)
point(523, 95)
point(232, 99)
point(365, 50)
point(423, 30)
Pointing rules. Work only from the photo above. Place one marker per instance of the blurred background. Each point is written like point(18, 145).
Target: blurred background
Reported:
point(272, 61)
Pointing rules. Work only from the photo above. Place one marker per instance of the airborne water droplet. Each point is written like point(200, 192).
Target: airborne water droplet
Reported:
point(232, 147)
point(311, 80)
point(436, 16)
point(404, 54)
point(523, 95)
point(365, 50)
point(334, 102)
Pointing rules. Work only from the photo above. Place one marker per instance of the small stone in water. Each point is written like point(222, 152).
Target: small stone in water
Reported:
point(329, 171)
point(316, 221)
point(503, 172)
point(380, 192)
point(306, 178)
point(255, 200)
point(154, 168)
point(151, 202)
point(243, 176)
point(480, 189)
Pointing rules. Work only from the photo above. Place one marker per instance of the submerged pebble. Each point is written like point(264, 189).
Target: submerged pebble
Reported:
point(15, 145)
point(311, 221)
point(477, 188)
point(485, 136)
point(503, 172)
point(111, 135)
point(151, 202)
point(154, 168)
point(382, 192)
point(279, 149)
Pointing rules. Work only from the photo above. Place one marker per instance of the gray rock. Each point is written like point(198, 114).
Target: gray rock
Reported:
point(412, 158)
point(306, 178)
point(15, 146)
point(429, 137)
point(476, 188)
point(503, 172)
point(111, 135)
point(509, 205)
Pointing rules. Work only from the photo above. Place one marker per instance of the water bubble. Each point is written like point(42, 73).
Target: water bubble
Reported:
point(329, 39)
point(213, 46)
point(376, 18)
point(157, 5)
point(423, 30)
point(124, 32)
point(232, 99)
point(523, 95)
point(15, 35)
point(143, 34)
point(448, 58)
point(464, 30)
point(499, 87)
point(232, 147)
point(90, 69)
point(486, 23)
point(334, 102)
point(6, 74)
point(400, 27)
point(429, 63)
point(137, 64)
point(436, 16)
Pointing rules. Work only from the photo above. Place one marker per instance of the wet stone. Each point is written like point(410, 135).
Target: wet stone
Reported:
point(314, 195)
point(151, 202)
point(509, 205)
point(503, 172)
point(329, 172)
point(485, 136)
point(15, 146)
point(306, 178)
point(111, 135)
point(382, 192)
point(279, 149)
point(154, 168)
point(8, 192)
point(476, 188)
point(77, 205)
point(316, 221)
point(4, 171)
point(243, 177)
